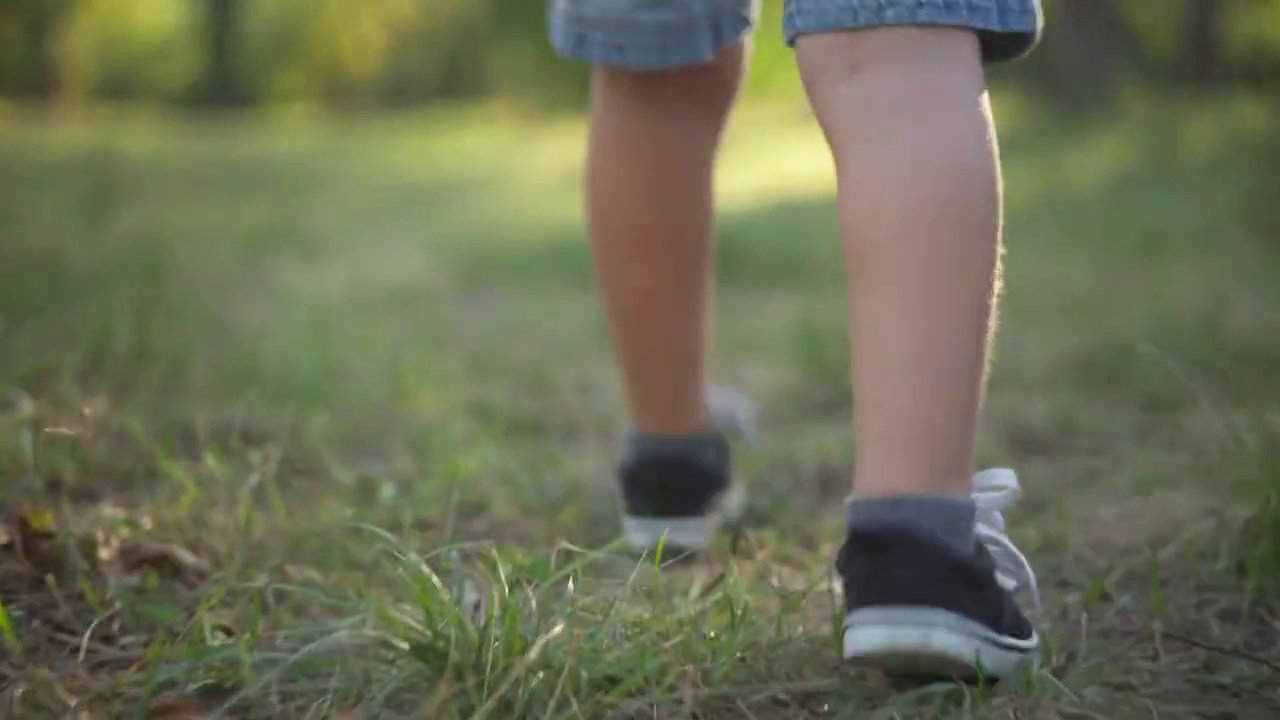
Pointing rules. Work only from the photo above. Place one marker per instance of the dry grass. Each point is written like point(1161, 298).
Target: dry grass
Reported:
point(291, 430)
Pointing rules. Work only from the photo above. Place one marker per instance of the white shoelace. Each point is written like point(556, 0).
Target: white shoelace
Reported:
point(731, 412)
point(995, 490)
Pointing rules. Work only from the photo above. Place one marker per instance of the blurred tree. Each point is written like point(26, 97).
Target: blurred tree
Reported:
point(219, 85)
point(1250, 41)
point(1202, 49)
point(1088, 50)
point(28, 38)
point(379, 53)
point(126, 50)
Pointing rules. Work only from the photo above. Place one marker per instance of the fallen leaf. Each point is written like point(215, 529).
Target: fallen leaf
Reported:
point(166, 559)
point(299, 573)
point(32, 537)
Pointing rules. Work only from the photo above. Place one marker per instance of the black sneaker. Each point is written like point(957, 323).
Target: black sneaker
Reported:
point(674, 502)
point(917, 608)
point(678, 502)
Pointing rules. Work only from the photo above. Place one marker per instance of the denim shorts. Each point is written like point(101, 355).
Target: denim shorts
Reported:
point(666, 34)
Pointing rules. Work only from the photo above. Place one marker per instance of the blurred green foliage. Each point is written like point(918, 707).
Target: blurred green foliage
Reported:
point(390, 53)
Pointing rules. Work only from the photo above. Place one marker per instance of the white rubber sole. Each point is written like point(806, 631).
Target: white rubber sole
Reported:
point(683, 533)
point(647, 533)
point(937, 643)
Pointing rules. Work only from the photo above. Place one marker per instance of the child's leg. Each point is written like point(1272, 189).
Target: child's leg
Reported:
point(905, 113)
point(649, 170)
point(666, 72)
point(902, 102)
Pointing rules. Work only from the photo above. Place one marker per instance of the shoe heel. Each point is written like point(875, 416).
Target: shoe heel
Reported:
point(649, 533)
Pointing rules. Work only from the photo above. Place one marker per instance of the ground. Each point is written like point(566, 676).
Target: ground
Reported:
point(314, 419)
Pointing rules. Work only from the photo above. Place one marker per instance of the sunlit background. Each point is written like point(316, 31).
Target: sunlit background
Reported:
point(274, 273)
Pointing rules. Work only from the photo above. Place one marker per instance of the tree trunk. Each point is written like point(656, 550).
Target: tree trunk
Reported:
point(220, 86)
point(1202, 42)
point(1089, 48)
point(37, 76)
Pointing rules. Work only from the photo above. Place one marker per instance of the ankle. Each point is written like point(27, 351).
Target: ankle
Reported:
point(706, 448)
point(950, 520)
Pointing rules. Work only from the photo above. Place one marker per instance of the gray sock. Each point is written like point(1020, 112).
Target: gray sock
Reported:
point(949, 519)
point(707, 448)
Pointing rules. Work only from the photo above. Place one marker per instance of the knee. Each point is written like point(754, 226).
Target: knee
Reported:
point(705, 90)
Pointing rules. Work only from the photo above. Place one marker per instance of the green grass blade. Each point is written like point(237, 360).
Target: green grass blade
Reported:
point(6, 629)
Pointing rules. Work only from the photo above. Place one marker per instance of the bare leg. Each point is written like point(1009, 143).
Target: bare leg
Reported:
point(649, 203)
point(905, 112)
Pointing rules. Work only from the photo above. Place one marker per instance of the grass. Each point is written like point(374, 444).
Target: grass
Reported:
point(315, 420)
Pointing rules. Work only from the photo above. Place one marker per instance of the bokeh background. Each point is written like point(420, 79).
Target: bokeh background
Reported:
point(272, 268)
point(389, 54)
